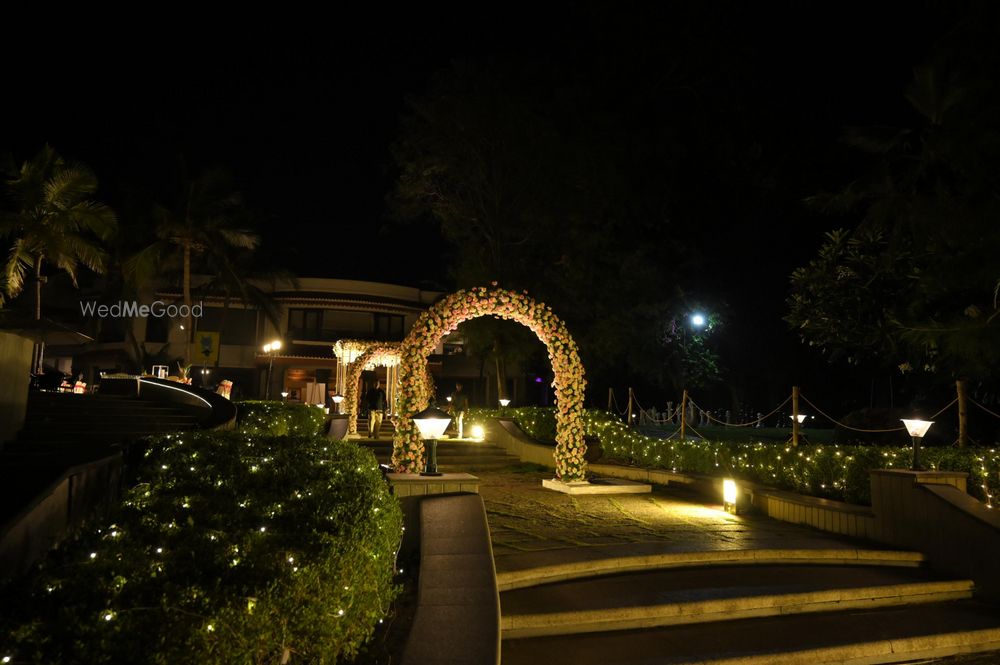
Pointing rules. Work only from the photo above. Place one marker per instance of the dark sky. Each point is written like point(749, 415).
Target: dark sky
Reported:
point(304, 112)
point(304, 109)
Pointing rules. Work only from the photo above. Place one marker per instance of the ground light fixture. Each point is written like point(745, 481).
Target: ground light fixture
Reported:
point(337, 399)
point(917, 429)
point(284, 394)
point(504, 402)
point(431, 423)
point(478, 432)
point(729, 495)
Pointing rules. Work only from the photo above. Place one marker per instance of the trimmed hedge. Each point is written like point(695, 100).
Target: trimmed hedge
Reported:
point(829, 471)
point(234, 549)
point(272, 418)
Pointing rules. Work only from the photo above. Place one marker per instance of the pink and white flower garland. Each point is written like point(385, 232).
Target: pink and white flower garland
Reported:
point(443, 318)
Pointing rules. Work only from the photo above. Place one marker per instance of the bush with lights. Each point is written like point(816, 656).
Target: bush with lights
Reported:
point(272, 418)
point(234, 548)
point(829, 471)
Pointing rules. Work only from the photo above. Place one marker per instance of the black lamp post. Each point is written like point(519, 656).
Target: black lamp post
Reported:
point(917, 429)
point(270, 349)
point(431, 423)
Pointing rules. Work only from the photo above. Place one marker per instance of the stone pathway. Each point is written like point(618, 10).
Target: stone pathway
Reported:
point(524, 517)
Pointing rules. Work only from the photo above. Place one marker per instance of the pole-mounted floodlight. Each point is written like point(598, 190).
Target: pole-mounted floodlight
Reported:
point(270, 349)
point(431, 423)
point(917, 429)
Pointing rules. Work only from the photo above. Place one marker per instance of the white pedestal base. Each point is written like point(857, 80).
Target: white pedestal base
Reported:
point(598, 486)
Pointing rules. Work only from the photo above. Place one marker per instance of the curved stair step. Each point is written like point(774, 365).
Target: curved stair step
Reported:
point(887, 635)
point(697, 595)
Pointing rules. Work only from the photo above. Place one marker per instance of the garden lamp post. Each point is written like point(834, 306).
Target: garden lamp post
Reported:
point(917, 429)
point(337, 399)
point(503, 405)
point(431, 423)
point(270, 349)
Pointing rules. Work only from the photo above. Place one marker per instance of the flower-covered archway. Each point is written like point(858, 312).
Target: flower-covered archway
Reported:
point(377, 354)
point(443, 318)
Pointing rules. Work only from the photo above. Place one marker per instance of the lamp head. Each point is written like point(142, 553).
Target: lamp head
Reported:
point(504, 401)
point(916, 427)
point(431, 422)
point(338, 398)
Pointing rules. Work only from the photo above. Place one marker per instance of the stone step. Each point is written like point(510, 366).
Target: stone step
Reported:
point(713, 594)
point(885, 635)
point(534, 568)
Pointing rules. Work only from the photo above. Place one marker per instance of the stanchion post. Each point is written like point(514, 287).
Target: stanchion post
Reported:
point(629, 416)
point(963, 414)
point(795, 416)
point(684, 405)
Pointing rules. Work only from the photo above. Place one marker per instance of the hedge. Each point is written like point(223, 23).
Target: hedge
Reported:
point(234, 549)
point(272, 418)
point(830, 471)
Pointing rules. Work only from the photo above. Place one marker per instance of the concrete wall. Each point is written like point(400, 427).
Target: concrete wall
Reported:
point(932, 512)
point(15, 369)
point(80, 493)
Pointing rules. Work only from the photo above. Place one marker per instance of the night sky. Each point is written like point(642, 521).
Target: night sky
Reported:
point(304, 111)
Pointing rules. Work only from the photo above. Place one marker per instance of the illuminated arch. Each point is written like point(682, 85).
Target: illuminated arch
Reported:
point(443, 318)
point(376, 354)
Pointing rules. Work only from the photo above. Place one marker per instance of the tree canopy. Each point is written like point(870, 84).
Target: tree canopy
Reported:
point(914, 283)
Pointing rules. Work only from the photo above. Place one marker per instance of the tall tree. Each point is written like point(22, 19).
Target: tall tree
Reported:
point(914, 283)
point(204, 224)
point(53, 220)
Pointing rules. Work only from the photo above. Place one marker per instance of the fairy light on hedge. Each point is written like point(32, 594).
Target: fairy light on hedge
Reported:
point(153, 537)
point(843, 469)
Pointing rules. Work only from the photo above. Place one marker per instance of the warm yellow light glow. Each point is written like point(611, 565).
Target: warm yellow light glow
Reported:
point(276, 345)
point(917, 427)
point(478, 432)
point(729, 491)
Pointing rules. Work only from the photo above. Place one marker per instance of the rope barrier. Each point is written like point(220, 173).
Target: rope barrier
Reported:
point(946, 407)
point(858, 429)
point(837, 422)
point(992, 413)
point(614, 400)
point(709, 415)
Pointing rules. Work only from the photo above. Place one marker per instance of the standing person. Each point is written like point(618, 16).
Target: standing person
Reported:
point(459, 406)
point(376, 408)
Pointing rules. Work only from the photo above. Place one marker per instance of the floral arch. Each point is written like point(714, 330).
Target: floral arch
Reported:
point(443, 318)
point(376, 354)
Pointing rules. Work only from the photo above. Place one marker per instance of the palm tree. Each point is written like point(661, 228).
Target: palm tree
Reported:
point(202, 223)
point(53, 218)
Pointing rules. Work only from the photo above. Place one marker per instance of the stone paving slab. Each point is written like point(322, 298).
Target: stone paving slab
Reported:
point(525, 518)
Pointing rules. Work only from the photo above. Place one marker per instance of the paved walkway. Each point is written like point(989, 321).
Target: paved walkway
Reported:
point(528, 522)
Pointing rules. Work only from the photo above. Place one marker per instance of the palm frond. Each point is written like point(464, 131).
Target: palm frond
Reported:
point(69, 186)
point(241, 238)
point(19, 262)
point(95, 217)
